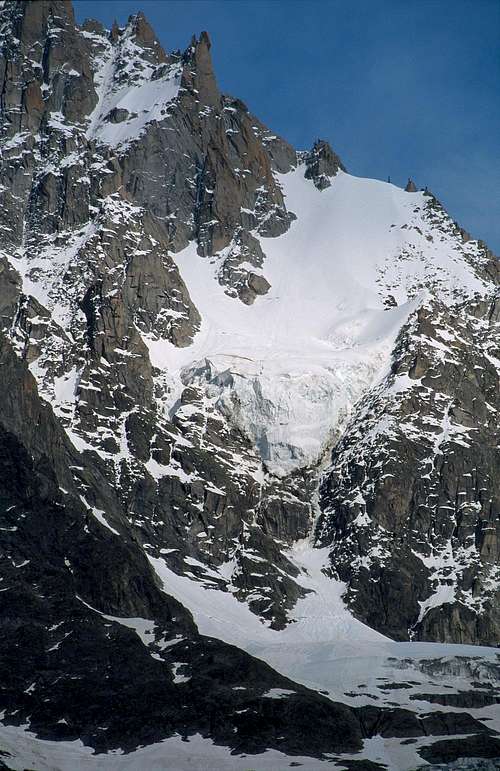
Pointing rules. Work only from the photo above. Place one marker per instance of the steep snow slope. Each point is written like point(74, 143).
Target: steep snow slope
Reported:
point(320, 617)
point(344, 279)
point(132, 91)
point(323, 646)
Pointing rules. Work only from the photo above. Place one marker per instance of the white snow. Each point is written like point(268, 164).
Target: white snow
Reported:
point(126, 81)
point(174, 754)
point(325, 647)
point(99, 515)
point(43, 277)
point(278, 693)
point(319, 618)
point(196, 754)
point(179, 678)
point(145, 103)
point(289, 368)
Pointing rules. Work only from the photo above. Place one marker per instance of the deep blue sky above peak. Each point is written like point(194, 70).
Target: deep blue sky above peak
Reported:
point(398, 87)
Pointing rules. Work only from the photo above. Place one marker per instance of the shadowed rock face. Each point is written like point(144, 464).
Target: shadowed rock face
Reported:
point(429, 486)
point(451, 750)
point(99, 193)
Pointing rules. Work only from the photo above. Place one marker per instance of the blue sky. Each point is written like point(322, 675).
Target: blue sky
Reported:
point(398, 87)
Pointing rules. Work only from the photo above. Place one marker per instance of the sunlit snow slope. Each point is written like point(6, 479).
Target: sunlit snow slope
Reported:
point(344, 278)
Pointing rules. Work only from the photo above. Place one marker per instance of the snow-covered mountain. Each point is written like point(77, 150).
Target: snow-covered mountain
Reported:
point(248, 432)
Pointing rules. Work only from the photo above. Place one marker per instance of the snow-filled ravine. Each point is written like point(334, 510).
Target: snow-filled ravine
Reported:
point(344, 279)
point(323, 646)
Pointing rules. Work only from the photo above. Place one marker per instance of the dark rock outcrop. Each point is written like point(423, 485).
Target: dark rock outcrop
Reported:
point(322, 164)
point(451, 750)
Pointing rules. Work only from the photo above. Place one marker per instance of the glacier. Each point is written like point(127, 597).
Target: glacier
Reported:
point(344, 279)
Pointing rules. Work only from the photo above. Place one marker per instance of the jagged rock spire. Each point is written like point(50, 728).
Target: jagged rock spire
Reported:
point(322, 164)
point(44, 65)
point(201, 78)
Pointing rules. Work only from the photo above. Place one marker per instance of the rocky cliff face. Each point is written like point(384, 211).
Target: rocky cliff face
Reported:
point(234, 411)
point(411, 498)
